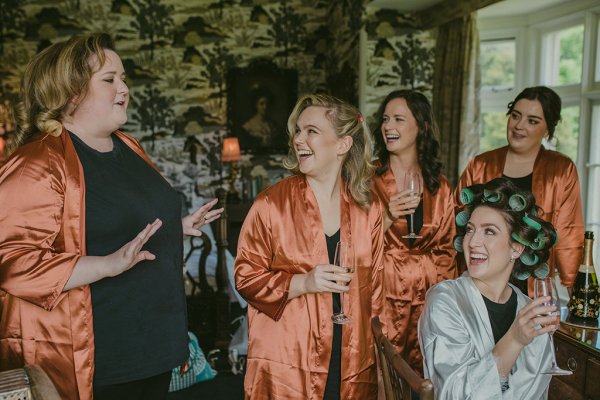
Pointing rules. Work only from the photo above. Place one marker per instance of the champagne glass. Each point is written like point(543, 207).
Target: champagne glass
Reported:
point(414, 183)
point(546, 287)
point(344, 257)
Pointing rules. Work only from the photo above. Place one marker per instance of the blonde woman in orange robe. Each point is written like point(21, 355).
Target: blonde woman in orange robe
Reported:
point(284, 263)
point(406, 141)
point(550, 175)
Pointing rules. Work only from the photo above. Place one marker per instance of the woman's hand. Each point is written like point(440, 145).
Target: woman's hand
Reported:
point(325, 278)
point(202, 216)
point(525, 327)
point(131, 253)
point(402, 203)
point(322, 278)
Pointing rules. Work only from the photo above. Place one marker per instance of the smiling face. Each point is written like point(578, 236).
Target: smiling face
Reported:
point(526, 126)
point(105, 104)
point(399, 127)
point(488, 248)
point(317, 146)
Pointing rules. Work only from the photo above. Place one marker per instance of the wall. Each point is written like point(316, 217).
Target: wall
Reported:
point(177, 61)
point(399, 55)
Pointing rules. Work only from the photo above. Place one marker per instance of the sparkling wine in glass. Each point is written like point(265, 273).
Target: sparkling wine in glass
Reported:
point(414, 183)
point(344, 257)
point(546, 287)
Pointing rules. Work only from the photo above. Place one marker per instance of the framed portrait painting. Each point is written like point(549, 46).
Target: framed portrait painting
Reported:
point(260, 99)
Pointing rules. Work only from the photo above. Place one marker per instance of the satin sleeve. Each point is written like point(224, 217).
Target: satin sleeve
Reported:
point(377, 271)
point(265, 289)
point(569, 226)
point(33, 266)
point(450, 359)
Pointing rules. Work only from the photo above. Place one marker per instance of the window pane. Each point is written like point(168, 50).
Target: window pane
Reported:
point(592, 211)
point(493, 131)
point(567, 132)
point(563, 56)
point(498, 63)
point(597, 79)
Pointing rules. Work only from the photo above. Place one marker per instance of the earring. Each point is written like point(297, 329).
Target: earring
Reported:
point(513, 257)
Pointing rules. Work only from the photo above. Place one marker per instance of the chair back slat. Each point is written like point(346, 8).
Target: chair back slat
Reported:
point(399, 379)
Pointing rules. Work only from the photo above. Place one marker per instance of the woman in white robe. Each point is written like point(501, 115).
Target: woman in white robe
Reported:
point(467, 354)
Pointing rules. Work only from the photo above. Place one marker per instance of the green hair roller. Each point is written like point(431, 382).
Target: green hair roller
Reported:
point(533, 224)
point(542, 271)
point(529, 258)
point(521, 275)
point(466, 196)
point(491, 197)
point(518, 238)
point(517, 202)
point(462, 218)
point(458, 243)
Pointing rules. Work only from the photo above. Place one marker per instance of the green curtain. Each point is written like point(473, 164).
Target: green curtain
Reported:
point(456, 85)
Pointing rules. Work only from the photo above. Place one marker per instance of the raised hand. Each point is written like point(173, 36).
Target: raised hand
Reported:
point(202, 216)
point(131, 253)
point(403, 203)
point(526, 325)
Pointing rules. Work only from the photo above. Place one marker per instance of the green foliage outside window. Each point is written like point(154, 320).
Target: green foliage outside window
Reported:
point(571, 55)
point(498, 63)
point(567, 132)
point(493, 132)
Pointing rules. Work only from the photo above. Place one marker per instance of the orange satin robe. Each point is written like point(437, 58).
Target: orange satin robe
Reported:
point(290, 340)
point(556, 190)
point(42, 212)
point(410, 271)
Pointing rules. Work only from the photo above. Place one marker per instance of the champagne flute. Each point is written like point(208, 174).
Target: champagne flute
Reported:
point(414, 183)
point(546, 287)
point(344, 257)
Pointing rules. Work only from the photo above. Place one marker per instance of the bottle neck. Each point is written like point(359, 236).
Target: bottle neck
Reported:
point(588, 260)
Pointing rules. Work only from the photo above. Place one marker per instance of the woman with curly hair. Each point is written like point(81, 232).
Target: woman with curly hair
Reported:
point(406, 141)
point(284, 266)
point(482, 338)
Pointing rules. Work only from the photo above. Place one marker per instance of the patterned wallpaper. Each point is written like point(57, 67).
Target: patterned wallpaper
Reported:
point(399, 56)
point(177, 54)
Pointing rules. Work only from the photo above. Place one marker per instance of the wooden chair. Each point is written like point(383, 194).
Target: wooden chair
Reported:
point(27, 383)
point(399, 379)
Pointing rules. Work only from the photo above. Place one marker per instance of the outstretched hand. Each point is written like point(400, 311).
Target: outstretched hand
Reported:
point(202, 216)
point(131, 253)
point(526, 325)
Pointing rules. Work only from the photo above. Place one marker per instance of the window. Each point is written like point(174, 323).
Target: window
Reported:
point(562, 56)
point(592, 217)
point(498, 64)
point(493, 130)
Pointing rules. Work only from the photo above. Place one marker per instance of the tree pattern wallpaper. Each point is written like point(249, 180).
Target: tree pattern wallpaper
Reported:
point(177, 53)
point(399, 56)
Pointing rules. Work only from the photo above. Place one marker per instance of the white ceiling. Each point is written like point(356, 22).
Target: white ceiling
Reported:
point(500, 9)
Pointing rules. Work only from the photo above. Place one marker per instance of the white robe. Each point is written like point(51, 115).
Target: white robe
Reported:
point(456, 339)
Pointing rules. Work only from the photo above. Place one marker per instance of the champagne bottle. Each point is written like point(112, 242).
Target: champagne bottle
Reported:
point(585, 297)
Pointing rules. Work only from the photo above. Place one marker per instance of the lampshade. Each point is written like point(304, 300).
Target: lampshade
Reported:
point(231, 149)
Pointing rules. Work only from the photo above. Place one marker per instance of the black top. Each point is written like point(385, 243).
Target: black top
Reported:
point(523, 183)
point(501, 315)
point(334, 376)
point(417, 220)
point(140, 327)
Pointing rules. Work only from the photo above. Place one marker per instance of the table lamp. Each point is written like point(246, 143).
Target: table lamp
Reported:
point(231, 154)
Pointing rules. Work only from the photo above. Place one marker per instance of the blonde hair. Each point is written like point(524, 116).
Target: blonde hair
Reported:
point(53, 78)
point(357, 169)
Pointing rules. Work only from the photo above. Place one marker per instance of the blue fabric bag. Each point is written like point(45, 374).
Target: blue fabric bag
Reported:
point(199, 369)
